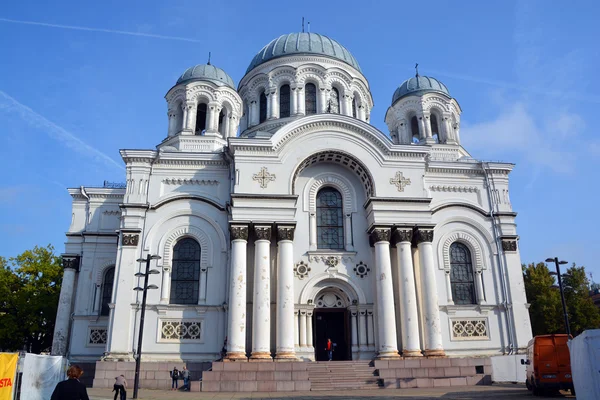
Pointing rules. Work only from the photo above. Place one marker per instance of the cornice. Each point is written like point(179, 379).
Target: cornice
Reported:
point(417, 200)
point(264, 196)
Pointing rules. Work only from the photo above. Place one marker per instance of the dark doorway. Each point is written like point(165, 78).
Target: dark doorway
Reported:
point(331, 324)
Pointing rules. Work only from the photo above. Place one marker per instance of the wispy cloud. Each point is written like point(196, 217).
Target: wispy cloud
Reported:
point(113, 31)
point(10, 105)
point(11, 193)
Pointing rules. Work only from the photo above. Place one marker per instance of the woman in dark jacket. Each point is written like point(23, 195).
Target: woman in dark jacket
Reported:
point(71, 389)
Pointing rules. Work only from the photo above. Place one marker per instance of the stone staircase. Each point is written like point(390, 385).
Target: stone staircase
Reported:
point(342, 375)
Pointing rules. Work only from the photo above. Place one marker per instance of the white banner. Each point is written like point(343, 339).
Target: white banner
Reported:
point(40, 376)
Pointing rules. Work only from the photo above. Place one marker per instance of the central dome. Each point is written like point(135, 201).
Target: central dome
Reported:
point(303, 43)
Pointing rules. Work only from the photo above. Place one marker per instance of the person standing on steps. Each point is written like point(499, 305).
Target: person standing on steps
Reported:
point(185, 374)
point(174, 379)
point(329, 348)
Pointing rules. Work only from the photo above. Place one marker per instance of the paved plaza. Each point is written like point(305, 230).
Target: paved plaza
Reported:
point(508, 391)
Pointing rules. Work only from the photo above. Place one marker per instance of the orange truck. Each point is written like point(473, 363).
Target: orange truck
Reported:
point(548, 364)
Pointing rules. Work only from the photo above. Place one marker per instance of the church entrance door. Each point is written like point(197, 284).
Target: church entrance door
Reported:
point(331, 324)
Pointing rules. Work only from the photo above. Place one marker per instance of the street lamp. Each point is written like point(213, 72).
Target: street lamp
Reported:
point(560, 288)
point(144, 290)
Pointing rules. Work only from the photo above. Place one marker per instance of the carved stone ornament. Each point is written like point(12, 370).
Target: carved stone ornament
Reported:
point(361, 269)
point(402, 235)
point(332, 262)
point(301, 270)
point(263, 177)
point(381, 235)
point(130, 239)
point(423, 235)
point(71, 262)
point(262, 232)
point(509, 245)
point(400, 181)
point(285, 233)
point(239, 232)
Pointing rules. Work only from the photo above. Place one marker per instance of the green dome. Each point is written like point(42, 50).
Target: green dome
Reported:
point(303, 43)
point(419, 85)
point(206, 72)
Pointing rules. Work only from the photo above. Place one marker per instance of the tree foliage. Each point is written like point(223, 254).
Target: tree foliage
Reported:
point(29, 292)
point(545, 303)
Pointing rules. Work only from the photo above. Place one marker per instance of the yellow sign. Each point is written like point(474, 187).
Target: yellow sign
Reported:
point(8, 368)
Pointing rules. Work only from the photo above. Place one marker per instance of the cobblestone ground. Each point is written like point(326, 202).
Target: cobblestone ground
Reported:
point(465, 393)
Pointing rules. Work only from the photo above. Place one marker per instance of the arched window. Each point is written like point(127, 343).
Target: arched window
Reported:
point(461, 274)
point(185, 278)
point(330, 219)
point(354, 107)
point(435, 128)
point(200, 119)
point(334, 101)
point(284, 101)
point(414, 129)
point(262, 116)
point(107, 289)
point(310, 99)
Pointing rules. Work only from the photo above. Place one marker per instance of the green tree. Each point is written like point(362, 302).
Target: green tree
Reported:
point(583, 314)
point(545, 307)
point(29, 292)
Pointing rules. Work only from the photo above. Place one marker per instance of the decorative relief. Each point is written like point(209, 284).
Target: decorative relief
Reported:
point(509, 245)
point(380, 235)
point(285, 233)
point(239, 232)
point(469, 329)
point(327, 257)
point(97, 336)
point(402, 235)
point(181, 330)
point(361, 269)
point(183, 181)
point(330, 300)
point(112, 213)
point(263, 177)
point(400, 181)
point(262, 232)
point(130, 239)
point(456, 189)
point(301, 270)
point(423, 235)
point(71, 262)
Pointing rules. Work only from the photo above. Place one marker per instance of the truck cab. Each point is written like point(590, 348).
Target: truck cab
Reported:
point(548, 364)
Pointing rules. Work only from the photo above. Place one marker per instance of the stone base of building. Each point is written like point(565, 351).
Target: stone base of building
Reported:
point(346, 375)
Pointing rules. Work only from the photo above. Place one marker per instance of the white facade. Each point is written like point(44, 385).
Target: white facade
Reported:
point(261, 276)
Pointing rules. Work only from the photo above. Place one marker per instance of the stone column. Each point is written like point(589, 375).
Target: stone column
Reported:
point(431, 312)
point(232, 126)
point(362, 115)
point(236, 327)
point(422, 129)
point(268, 96)
point(309, 328)
point(60, 340)
point(363, 345)
point(354, 327)
point(172, 114)
point(370, 334)
point(301, 100)
point(448, 286)
point(386, 315)
point(293, 101)
point(409, 325)
point(188, 117)
point(273, 111)
point(347, 232)
point(302, 328)
point(427, 122)
point(285, 294)
point(165, 289)
point(312, 234)
point(261, 312)
point(479, 287)
point(322, 106)
point(296, 329)
point(254, 114)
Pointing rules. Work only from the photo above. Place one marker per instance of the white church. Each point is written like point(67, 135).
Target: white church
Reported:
point(283, 218)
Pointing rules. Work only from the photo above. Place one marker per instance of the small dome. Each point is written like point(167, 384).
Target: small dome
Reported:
point(303, 43)
point(419, 85)
point(206, 72)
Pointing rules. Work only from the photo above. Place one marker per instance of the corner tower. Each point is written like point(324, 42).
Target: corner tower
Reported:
point(423, 112)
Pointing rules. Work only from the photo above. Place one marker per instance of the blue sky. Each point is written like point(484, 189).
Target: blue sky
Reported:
point(524, 73)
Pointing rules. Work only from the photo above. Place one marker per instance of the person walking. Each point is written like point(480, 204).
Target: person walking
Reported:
point(71, 389)
point(119, 387)
point(329, 349)
point(175, 379)
point(185, 374)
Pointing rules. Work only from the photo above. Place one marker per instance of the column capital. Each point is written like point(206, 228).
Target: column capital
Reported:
point(262, 232)
point(400, 235)
point(380, 234)
point(71, 261)
point(238, 232)
point(423, 235)
point(130, 238)
point(285, 232)
point(188, 105)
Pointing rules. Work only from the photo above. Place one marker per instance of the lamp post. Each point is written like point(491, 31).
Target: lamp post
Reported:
point(144, 291)
point(560, 288)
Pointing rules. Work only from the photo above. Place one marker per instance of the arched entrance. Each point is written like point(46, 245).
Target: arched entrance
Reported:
point(331, 320)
